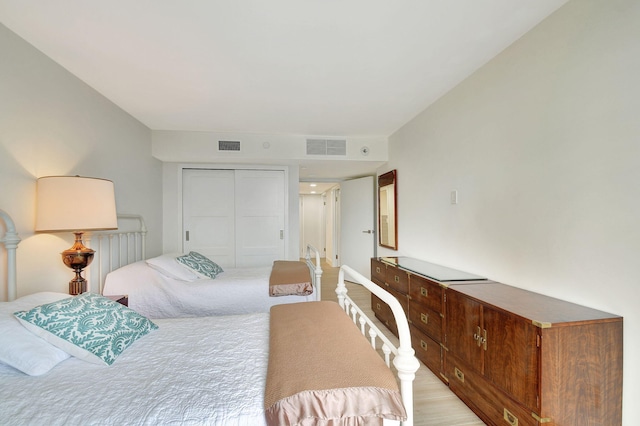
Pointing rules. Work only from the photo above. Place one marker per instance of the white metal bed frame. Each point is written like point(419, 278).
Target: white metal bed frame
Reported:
point(404, 359)
point(10, 240)
point(115, 249)
point(315, 269)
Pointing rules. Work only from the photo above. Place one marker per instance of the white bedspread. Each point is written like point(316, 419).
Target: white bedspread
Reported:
point(235, 291)
point(191, 371)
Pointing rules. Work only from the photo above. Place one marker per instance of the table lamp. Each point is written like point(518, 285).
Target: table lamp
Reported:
point(93, 208)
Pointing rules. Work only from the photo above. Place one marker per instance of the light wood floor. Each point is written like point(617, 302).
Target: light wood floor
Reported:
point(434, 403)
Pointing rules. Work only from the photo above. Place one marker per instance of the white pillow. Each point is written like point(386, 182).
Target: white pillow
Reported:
point(88, 326)
point(168, 266)
point(201, 265)
point(20, 348)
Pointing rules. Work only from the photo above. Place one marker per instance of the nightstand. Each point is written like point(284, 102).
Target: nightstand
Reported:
point(122, 299)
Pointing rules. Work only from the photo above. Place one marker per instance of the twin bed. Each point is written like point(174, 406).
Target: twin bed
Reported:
point(162, 288)
point(292, 365)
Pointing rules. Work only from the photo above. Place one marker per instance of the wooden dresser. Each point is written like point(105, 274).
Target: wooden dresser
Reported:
point(419, 286)
point(514, 356)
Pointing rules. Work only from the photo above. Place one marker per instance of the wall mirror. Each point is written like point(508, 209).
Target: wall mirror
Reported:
point(387, 210)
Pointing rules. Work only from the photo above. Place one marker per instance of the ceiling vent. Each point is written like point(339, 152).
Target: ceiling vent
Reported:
point(326, 147)
point(228, 145)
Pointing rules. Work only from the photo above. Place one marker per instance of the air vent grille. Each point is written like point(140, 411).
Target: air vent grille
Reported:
point(228, 145)
point(326, 147)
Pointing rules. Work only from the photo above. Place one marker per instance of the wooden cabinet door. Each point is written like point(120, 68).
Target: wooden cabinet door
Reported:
point(511, 355)
point(463, 320)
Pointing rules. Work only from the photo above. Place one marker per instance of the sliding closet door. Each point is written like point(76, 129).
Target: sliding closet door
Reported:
point(234, 217)
point(259, 217)
point(208, 210)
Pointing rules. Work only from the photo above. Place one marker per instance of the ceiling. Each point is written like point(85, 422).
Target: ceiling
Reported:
point(305, 67)
point(310, 188)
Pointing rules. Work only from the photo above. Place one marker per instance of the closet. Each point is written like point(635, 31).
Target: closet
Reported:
point(234, 217)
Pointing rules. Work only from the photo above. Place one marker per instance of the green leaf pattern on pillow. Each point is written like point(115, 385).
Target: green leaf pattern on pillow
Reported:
point(92, 323)
point(200, 264)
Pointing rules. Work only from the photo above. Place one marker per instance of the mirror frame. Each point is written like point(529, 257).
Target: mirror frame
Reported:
point(385, 180)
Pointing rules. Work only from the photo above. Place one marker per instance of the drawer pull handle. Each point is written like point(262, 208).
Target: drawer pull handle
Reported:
point(378, 307)
point(510, 418)
point(377, 269)
point(423, 344)
point(459, 375)
point(396, 278)
point(481, 339)
point(424, 318)
point(424, 292)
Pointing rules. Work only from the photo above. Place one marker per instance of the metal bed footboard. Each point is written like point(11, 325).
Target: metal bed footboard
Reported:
point(404, 359)
point(315, 269)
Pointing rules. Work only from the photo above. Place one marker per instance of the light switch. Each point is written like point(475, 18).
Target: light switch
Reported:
point(454, 197)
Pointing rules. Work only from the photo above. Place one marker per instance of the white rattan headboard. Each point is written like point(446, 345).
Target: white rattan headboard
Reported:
point(10, 240)
point(115, 249)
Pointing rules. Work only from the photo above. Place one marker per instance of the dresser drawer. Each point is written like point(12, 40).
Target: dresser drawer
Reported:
point(425, 292)
point(428, 321)
point(378, 270)
point(379, 282)
point(427, 350)
point(402, 298)
point(384, 314)
point(397, 279)
point(493, 406)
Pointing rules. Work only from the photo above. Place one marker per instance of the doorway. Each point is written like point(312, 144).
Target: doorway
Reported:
point(351, 202)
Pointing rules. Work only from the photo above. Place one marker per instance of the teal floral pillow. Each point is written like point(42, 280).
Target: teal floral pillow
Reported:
point(89, 326)
point(200, 264)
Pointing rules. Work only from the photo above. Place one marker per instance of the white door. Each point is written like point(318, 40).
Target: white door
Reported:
point(332, 227)
point(234, 217)
point(357, 224)
point(260, 231)
point(208, 214)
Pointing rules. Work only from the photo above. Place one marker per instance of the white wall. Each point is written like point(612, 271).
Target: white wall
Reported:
point(312, 223)
point(51, 123)
point(196, 146)
point(543, 146)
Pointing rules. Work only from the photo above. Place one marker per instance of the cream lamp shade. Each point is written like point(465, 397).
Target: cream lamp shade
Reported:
point(75, 203)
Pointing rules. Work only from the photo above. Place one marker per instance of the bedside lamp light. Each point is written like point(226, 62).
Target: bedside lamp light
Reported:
point(95, 211)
